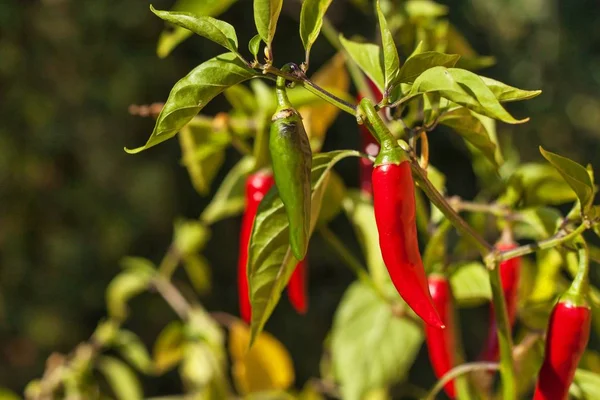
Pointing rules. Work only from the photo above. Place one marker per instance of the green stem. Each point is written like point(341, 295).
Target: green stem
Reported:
point(553, 241)
point(344, 254)
point(507, 369)
point(440, 202)
point(458, 371)
point(579, 288)
point(169, 263)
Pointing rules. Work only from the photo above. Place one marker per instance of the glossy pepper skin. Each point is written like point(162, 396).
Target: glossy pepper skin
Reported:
point(297, 288)
point(510, 273)
point(395, 216)
point(566, 339)
point(441, 343)
point(292, 159)
point(257, 186)
point(368, 145)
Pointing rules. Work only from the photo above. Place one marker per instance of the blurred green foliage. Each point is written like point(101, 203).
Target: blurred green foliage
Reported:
point(72, 202)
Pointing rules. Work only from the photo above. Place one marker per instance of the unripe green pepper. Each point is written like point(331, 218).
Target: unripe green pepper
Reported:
point(292, 160)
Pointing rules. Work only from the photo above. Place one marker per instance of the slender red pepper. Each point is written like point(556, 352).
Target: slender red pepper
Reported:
point(395, 216)
point(566, 339)
point(441, 343)
point(567, 336)
point(510, 273)
point(297, 290)
point(257, 186)
point(369, 145)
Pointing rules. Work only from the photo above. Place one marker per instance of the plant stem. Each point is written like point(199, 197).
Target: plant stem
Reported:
point(169, 263)
point(559, 238)
point(344, 254)
point(458, 371)
point(507, 369)
point(440, 202)
point(495, 209)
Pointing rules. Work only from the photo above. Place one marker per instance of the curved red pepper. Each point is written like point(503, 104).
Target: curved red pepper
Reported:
point(441, 343)
point(395, 215)
point(510, 273)
point(566, 339)
point(368, 145)
point(257, 185)
point(296, 289)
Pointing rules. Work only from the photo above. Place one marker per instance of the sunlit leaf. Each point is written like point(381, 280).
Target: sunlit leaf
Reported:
point(586, 385)
point(418, 63)
point(332, 199)
point(462, 87)
point(133, 350)
point(506, 93)
point(536, 223)
point(311, 20)
point(122, 380)
point(168, 347)
point(266, 366)
point(266, 14)
point(193, 92)
point(576, 176)
point(189, 236)
point(241, 99)
point(198, 272)
point(368, 57)
point(254, 45)
point(371, 347)
point(468, 124)
point(173, 36)
point(418, 9)
point(229, 199)
point(545, 285)
point(471, 285)
point(391, 61)
point(319, 117)
point(271, 262)
point(213, 29)
point(126, 285)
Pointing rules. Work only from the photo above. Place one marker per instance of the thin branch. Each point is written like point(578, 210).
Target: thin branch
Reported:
point(458, 371)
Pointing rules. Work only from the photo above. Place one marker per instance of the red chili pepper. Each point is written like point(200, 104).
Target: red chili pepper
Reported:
point(297, 291)
point(395, 215)
point(441, 343)
point(566, 339)
point(369, 145)
point(510, 272)
point(257, 185)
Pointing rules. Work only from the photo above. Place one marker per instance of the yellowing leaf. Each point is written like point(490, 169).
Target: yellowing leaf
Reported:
point(319, 117)
point(265, 366)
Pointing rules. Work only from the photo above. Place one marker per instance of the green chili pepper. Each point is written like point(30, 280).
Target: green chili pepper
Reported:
point(292, 159)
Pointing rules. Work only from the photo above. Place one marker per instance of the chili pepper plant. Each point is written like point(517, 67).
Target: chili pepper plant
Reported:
point(517, 255)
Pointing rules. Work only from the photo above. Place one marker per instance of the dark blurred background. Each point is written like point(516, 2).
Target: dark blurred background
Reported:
point(72, 202)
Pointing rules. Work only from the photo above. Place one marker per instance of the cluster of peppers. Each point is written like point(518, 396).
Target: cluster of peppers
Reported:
point(389, 181)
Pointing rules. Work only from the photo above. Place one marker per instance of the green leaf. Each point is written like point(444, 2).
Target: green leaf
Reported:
point(6, 394)
point(418, 63)
point(171, 37)
point(254, 45)
point(266, 14)
point(168, 347)
point(229, 199)
point(189, 236)
point(311, 20)
point(536, 223)
point(418, 9)
point(469, 125)
point(128, 284)
point(270, 261)
point(131, 348)
point(506, 93)
point(213, 29)
point(575, 175)
point(198, 272)
point(545, 286)
point(586, 385)
point(203, 153)
point(368, 57)
point(359, 209)
point(471, 285)
point(122, 380)
point(391, 61)
point(370, 346)
point(537, 184)
point(462, 87)
point(191, 94)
